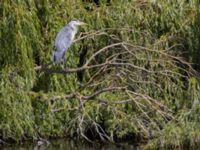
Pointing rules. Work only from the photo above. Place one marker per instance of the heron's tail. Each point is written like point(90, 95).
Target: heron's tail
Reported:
point(57, 56)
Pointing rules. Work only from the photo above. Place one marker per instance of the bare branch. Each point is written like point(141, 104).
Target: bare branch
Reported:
point(89, 97)
point(102, 91)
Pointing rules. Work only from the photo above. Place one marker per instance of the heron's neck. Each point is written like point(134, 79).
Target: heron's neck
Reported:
point(74, 29)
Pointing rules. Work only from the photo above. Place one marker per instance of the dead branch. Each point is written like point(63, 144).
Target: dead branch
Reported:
point(74, 70)
point(102, 91)
point(88, 97)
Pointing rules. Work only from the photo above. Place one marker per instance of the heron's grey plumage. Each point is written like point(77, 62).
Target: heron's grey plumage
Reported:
point(64, 40)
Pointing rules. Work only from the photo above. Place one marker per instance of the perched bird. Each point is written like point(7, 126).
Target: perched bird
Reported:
point(64, 39)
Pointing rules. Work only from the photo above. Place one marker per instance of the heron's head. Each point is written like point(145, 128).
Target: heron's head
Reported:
point(76, 23)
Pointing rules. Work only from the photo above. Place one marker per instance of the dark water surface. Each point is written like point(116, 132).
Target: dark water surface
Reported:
point(64, 144)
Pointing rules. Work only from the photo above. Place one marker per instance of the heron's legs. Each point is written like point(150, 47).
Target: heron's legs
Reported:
point(62, 64)
point(64, 61)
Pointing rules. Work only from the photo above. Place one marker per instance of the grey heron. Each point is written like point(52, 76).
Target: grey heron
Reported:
point(64, 39)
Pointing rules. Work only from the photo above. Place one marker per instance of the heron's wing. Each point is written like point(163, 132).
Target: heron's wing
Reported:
point(57, 56)
point(63, 39)
point(62, 43)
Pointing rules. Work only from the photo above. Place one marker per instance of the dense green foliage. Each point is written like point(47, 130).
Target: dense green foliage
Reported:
point(155, 39)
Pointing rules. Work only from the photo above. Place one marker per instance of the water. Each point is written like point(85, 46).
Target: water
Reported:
point(64, 144)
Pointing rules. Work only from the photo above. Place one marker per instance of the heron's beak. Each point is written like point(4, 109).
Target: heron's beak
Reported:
point(83, 23)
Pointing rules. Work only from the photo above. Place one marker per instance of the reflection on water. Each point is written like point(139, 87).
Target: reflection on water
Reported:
point(70, 145)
